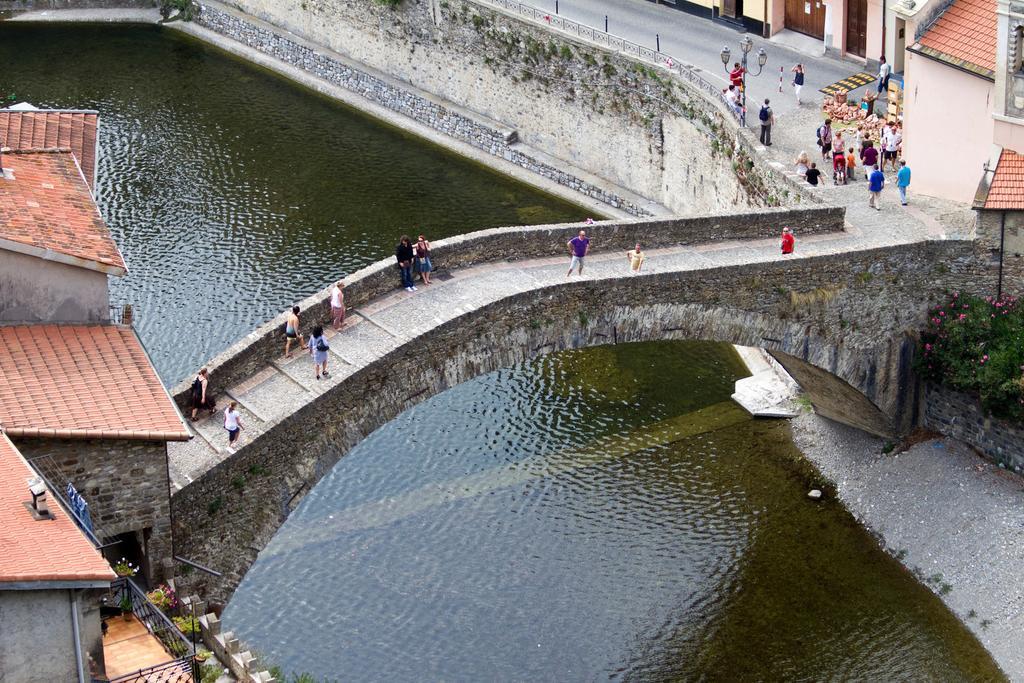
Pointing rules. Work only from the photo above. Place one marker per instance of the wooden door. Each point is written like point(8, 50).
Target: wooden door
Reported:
point(729, 8)
point(856, 26)
point(806, 16)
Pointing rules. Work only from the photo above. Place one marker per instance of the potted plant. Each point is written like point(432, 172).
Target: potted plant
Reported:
point(125, 569)
point(126, 607)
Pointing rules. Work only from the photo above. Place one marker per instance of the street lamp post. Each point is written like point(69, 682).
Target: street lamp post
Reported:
point(746, 45)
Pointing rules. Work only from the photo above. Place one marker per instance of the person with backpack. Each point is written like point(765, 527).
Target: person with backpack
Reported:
point(200, 398)
point(825, 139)
point(767, 121)
point(318, 348)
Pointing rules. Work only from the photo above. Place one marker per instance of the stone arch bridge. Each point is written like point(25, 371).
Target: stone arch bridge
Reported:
point(837, 316)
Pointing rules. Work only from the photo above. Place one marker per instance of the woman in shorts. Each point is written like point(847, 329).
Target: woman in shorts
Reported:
point(423, 264)
point(233, 424)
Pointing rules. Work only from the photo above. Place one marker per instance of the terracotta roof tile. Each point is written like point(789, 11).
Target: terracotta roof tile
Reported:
point(964, 35)
point(44, 550)
point(49, 129)
point(1007, 188)
point(82, 381)
point(45, 204)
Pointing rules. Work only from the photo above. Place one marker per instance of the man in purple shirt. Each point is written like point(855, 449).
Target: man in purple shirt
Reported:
point(578, 248)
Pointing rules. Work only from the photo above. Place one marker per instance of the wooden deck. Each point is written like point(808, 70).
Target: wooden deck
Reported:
point(129, 646)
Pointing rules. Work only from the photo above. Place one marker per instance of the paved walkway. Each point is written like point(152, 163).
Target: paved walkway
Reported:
point(699, 41)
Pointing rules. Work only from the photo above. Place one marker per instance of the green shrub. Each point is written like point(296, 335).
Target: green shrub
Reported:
point(976, 346)
point(187, 625)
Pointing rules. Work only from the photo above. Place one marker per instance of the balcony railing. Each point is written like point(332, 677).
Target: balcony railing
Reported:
point(122, 314)
point(176, 644)
point(176, 671)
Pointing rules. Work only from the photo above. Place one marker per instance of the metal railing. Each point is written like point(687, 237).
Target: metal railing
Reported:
point(176, 671)
point(123, 314)
point(162, 628)
point(617, 43)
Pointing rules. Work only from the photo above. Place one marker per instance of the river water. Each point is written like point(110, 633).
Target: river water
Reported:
point(233, 193)
point(600, 514)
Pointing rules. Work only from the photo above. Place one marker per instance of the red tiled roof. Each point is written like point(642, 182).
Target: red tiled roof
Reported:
point(82, 381)
point(965, 35)
point(1007, 188)
point(43, 550)
point(52, 129)
point(46, 206)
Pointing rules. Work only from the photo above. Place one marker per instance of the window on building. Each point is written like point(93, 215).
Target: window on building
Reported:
point(1018, 49)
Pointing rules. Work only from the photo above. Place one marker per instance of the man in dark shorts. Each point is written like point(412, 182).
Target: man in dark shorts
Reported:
point(291, 331)
point(825, 139)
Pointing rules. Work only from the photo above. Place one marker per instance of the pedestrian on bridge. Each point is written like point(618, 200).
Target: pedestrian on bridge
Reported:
point(788, 241)
point(579, 246)
point(903, 181)
point(200, 396)
point(403, 255)
point(636, 259)
point(318, 348)
point(291, 331)
point(767, 117)
point(876, 182)
point(338, 305)
point(423, 265)
point(233, 425)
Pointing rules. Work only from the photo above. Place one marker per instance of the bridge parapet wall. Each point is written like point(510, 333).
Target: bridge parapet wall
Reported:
point(249, 355)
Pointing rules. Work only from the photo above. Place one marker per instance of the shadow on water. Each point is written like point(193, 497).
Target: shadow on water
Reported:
point(601, 513)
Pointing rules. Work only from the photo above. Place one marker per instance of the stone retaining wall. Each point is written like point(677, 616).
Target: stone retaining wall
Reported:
point(479, 134)
point(642, 127)
point(960, 416)
point(258, 348)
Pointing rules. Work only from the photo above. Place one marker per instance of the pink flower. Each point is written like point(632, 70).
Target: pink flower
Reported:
point(985, 357)
point(928, 347)
point(942, 313)
point(963, 316)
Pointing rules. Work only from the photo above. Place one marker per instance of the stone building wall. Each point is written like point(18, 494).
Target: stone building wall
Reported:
point(124, 482)
point(961, 417)
point(847, 315)
point(241, 360)
point(988, 231)
point(634, 124)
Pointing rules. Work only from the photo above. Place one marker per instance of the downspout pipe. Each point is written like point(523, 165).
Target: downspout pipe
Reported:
point(1002, 240)
point(77, 634)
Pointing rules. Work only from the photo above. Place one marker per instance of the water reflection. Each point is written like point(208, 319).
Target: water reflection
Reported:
point(604, 513)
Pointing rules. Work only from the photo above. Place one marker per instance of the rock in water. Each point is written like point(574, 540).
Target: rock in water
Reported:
point(814, 494)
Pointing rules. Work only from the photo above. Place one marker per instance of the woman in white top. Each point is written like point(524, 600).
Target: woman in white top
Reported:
point(338, 305)
point(232, 423)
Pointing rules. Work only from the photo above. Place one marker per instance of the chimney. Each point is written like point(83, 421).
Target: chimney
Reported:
point(38, 506)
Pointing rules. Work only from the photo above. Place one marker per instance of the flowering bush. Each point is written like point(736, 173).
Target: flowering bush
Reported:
point(125, 568)
point(163, 597)
point(187, 625)
point(977, 345)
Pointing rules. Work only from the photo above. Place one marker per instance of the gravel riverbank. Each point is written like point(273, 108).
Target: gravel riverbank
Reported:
point(950, 516)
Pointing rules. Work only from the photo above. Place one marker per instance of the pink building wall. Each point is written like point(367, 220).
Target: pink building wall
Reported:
point(948, 128)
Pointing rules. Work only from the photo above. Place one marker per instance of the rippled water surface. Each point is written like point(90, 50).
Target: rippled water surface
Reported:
point(598, 514)
point(233, 193)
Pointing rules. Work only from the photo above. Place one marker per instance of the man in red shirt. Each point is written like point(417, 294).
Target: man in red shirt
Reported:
point(787, 241)
point(736, 75)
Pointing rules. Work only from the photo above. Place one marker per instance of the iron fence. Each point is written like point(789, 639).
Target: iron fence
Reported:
point(619, 44)
point(175, 671)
